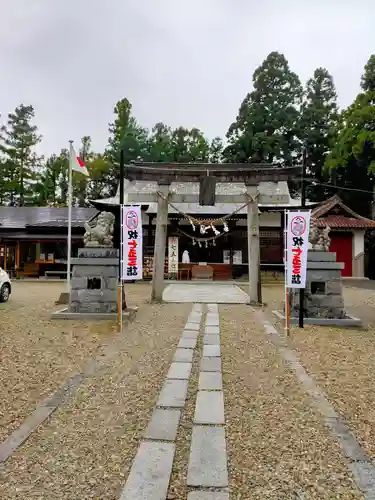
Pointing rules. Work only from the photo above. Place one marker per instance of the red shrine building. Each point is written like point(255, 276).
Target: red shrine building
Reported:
point(347, 234)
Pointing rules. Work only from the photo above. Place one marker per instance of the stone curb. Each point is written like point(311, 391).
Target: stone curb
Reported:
point(152, 466)
point(360, 464)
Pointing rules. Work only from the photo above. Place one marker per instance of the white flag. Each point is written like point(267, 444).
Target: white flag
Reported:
point(76, 164)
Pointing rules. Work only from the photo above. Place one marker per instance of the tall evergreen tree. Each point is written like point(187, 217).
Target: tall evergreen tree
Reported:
point(18, 139)
point(319, 121)
point(126, 134)
point(189, 145)
point(352, 160)
point(160, 147)
point(216, 150)
point(266, 127)
point(368, 77)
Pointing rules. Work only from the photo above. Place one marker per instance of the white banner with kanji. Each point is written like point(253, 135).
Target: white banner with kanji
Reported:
point(132, 250)
point(298, 227)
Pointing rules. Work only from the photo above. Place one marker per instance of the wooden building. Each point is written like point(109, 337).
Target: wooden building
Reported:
point(33, 240)
point(228, 255)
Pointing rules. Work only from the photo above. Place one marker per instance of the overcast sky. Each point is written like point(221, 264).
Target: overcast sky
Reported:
point(183, 62)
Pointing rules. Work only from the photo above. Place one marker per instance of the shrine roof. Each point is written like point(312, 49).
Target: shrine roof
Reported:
point(335, 214)
point(340, 221)
point(277, 194)
point(54, 217)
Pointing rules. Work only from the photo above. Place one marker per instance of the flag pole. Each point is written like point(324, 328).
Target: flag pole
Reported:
point(69, 220)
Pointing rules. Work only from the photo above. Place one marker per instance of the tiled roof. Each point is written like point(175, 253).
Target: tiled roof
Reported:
point(341, 221)
point(278, 196)
point(22, 217)
point(351, 220)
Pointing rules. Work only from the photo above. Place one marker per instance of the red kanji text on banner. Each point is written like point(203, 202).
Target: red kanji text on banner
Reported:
point(297, 247)
point(132, 249)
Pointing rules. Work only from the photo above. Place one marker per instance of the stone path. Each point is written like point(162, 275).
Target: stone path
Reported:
point(207, 469)
point(208, 454)
point(205, 293)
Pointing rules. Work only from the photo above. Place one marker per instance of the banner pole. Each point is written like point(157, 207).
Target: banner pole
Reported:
point(121, 253)
point(303, 205)
point(287, 308)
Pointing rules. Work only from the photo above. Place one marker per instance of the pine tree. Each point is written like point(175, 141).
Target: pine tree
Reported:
point(18, 139)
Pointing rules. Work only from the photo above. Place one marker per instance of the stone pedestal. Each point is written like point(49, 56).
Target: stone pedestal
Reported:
point(323, 300)
point(94, 281)
point(323, 292)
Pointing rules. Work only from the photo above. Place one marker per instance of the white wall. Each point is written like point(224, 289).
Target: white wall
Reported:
point(359, 242)
point(266, 219)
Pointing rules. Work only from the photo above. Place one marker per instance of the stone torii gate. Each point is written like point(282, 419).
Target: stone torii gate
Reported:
point(162, 175)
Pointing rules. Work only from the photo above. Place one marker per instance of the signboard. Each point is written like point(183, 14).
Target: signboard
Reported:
point(226, 256)
point(298, 227)
point(173, 255)
point(237, 257)
point(132, 250)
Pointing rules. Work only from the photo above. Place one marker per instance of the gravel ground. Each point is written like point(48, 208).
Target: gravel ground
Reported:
point(278, 446)
point(86, 448)
point(342, 362)
point(37, 354)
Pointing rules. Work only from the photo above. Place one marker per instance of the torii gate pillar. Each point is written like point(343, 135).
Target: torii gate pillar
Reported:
point(160, 244)
point(253, 246)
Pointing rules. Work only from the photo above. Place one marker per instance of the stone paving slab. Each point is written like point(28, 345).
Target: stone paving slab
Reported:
point(211, 351)
point(212, 330)
point(192, 326)
point(180, 371)
point(187, 343)
point(211, 365)
point(150, 473)
point(173, 394)
point(208, 458)
point(194, 318)
point(189, 334)
point(183, 355)
point(208, 495)
point(210, 381)
point(211, 339)
point(197, 308)
point(209, 408)
point(212, 308)
point(212, 320)
point(205, 293)
point(163, 425)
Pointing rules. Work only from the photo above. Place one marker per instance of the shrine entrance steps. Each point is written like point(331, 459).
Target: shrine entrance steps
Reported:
point(205, 293)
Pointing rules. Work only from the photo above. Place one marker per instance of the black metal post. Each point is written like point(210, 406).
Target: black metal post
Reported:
point(122, 176)
point(303, 205)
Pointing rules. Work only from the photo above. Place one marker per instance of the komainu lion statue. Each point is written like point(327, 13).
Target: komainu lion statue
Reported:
point(319, 237)
point(100, 235)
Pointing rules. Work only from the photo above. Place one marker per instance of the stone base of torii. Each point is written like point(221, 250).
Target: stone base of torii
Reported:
point(164, 174)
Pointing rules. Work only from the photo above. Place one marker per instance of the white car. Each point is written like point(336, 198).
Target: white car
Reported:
point(5, 286)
